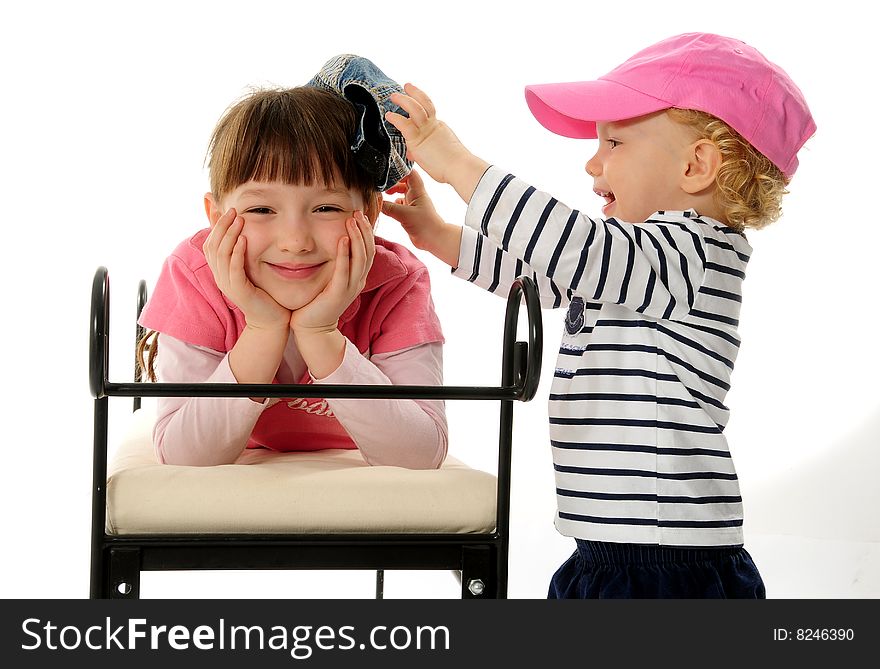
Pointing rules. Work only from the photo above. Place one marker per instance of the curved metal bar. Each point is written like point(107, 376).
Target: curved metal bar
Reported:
point(142, 297)
point(99, 344)
point(523, 366)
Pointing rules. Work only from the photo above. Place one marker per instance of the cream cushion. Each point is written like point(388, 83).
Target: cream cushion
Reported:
point(329, 491)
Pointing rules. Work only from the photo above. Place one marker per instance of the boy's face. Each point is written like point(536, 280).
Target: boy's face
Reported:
point(639, 166)
point(292, 233)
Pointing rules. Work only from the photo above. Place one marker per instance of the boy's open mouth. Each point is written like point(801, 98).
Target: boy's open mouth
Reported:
point(607, 195)
point(609, 198)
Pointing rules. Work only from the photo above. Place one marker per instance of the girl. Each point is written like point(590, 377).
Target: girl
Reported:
point(289, 285)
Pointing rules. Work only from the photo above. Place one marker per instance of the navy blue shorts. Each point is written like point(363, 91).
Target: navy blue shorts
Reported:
point(598, 570)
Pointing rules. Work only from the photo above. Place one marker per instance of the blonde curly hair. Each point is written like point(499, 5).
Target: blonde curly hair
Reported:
point(750, 187)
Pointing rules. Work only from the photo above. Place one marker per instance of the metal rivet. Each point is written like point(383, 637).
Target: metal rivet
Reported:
point(476, 587)
point(124, 588)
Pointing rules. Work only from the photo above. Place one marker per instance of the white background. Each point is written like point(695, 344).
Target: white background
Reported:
point(105, 116)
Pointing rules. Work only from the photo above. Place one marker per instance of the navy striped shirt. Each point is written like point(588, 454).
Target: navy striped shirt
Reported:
point(636, 407)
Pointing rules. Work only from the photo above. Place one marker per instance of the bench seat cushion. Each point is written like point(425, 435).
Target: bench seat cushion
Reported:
point(311, 492)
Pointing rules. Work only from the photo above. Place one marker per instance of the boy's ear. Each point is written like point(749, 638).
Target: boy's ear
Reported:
point(704, 161)
point(212, 210)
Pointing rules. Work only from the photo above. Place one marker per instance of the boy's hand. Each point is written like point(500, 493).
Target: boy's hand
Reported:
point(433, 145)
point(224, 249)
point(354, 257)
point(416, 213)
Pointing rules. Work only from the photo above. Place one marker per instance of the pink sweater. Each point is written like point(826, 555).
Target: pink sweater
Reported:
point(393, 336)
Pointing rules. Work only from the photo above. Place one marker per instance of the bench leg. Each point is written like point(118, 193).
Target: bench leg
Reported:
point(380, 584)
point(478, 573)
point(125, 573)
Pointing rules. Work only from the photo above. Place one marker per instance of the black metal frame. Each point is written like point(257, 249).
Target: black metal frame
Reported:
point(116, 561)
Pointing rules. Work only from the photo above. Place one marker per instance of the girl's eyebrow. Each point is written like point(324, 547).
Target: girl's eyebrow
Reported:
point(335, 190)
point(268, 192)
point(254, 192)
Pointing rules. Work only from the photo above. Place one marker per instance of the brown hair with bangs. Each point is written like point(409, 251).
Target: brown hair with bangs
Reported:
point(296, 135)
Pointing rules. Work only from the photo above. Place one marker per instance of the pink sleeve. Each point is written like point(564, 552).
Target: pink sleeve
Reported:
point(200, 430)
point(407, 316)
point(375, 425)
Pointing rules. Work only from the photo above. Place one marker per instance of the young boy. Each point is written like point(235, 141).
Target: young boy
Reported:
point(698, 137)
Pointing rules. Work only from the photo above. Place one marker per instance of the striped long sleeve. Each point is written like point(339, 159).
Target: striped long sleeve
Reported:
point(636, 408)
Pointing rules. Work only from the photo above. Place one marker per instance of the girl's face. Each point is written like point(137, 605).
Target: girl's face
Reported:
point(639, 165)
point(292, 233)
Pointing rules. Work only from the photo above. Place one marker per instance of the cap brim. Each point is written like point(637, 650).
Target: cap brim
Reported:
point(572, 109)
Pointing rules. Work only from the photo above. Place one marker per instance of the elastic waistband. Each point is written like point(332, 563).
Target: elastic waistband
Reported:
point(605, 553)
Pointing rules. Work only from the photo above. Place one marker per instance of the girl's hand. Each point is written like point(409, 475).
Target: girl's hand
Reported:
point(354, 257)
point(224, 249)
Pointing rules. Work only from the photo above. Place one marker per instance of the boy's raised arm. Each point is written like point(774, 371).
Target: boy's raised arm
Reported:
point(433, 145)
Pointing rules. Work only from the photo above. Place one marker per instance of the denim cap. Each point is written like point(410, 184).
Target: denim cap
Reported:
point(377, 145)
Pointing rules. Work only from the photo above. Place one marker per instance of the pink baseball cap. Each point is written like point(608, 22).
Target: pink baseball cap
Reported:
point(717, 75)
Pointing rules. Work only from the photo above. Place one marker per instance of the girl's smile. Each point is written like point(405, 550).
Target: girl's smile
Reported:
point(295, 271)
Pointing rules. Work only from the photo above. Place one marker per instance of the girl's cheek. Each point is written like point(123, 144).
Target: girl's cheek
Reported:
point(250, 264)
point(332, 242)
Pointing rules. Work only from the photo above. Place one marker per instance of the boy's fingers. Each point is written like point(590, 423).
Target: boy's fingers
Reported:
point(412, 186)
point(411, 106)
point(393, 210)
point(421, 97)
point(399, 187)
point(406, 126)
point(416, 185)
